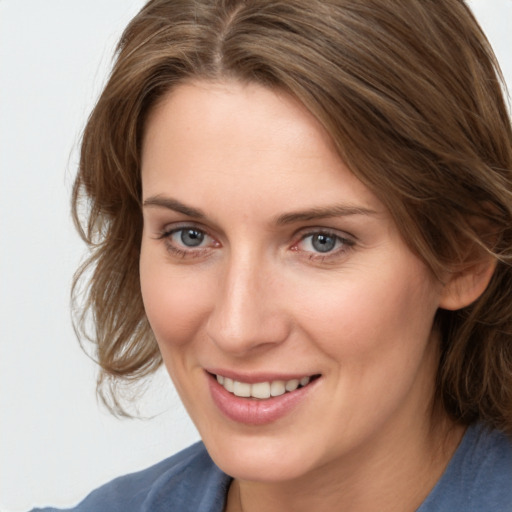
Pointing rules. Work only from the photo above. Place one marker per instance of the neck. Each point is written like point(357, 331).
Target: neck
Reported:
point(397, 472)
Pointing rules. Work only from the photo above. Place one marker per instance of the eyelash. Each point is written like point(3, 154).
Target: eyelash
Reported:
point(167, 235)
point(344, 244)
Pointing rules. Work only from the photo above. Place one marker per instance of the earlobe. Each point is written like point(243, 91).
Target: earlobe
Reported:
point(465, 286)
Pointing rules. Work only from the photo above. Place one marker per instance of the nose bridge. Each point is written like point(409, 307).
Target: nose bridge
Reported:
point(246, 313)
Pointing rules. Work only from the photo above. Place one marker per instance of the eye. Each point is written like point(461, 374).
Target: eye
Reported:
point(322, 245)
point(187, 241)
point(320, 242)
point(189, 237)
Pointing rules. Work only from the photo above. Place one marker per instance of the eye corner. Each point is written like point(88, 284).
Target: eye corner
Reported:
point(186, 241)
point(334, 246)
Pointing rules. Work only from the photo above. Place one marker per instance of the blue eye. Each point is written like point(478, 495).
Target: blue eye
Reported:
point(325, 246)
point(187, 241)
point(190, 237)
point(322, 243)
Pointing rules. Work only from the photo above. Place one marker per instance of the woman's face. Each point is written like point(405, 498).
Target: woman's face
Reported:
point(266, 264)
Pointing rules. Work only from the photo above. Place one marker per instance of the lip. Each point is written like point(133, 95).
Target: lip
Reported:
point(251, 411)
point(252, 378)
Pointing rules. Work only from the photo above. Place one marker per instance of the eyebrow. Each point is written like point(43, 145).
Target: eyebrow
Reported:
point(322, 213)
point(285, 218)
point(175, 205)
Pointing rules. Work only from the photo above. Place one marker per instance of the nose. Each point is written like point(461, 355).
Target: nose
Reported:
point(248, 315)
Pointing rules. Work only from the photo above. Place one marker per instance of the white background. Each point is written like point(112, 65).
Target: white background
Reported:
point(56, 443)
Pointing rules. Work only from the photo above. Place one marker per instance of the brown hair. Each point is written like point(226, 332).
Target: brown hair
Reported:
point(410, 93)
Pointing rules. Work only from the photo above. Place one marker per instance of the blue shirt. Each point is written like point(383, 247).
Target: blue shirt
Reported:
point(477, 479)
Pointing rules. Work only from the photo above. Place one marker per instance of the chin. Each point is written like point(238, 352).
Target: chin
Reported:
point(261, 458)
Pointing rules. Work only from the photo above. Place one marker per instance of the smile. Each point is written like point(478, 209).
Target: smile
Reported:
point(262, 390)
point(259, 400)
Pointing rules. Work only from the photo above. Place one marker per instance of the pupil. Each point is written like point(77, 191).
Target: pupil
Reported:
point(192, 237)
point(323, 243)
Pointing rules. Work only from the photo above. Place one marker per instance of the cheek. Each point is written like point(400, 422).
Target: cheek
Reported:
point(365, 317)
point(174, 307)
point(375, 332)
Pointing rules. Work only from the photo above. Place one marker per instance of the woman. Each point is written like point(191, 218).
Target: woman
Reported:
point(304, 210)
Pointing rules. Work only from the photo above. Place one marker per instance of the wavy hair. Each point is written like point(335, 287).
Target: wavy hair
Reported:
point(410, 93)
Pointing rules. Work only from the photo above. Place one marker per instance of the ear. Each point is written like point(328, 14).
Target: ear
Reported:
point(465, 286)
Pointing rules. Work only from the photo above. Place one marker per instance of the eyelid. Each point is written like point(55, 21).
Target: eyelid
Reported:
point(347, 243)
point(176, 249)
point(170, 228)
point(314, 230)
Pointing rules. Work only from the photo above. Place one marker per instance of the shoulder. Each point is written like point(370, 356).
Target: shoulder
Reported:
point(479, 476)
point(189, 480)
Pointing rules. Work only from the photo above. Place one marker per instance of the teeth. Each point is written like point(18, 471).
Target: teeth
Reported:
point(261, 390)
point(242, 389)
point(278, 388)
point(292, 385)
point(228, 384)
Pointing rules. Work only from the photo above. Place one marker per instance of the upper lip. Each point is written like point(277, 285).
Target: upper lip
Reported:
point(251, 378)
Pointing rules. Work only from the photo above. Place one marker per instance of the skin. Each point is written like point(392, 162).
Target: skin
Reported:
point(257, 296)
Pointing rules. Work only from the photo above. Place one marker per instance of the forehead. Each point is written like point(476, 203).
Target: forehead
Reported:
point(265, 119)
point(244, 141)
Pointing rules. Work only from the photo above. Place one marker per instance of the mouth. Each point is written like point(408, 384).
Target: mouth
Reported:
point(259, 399)
point(265, 389)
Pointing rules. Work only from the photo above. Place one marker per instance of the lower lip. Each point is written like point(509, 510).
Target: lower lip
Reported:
point(252, 411)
